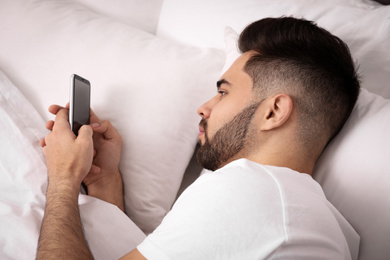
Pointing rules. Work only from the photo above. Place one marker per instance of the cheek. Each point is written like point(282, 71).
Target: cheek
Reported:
point(218, 119)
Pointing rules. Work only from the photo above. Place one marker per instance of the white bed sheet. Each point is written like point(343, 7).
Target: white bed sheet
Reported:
point(23, 186)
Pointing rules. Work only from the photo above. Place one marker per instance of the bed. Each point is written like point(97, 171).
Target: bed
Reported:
point(151, 64)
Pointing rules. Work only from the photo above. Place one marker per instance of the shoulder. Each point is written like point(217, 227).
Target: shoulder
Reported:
point(241, 181)
point(245, 172)
point(230, 211)
point(245, 178)
point(246, 211)
point(247, 181)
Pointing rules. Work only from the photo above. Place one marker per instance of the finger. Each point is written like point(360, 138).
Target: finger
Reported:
point(46, 140)
point(67, 106)
point(61, 120)
point(54, 109)
point(49, 125)
point(42, 142)
point(106, 129)
point(93, 117)
point(85, 132)
point(94, 169)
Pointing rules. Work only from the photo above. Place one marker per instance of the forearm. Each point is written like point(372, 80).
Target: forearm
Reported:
point(108, 188)
point(61, 232)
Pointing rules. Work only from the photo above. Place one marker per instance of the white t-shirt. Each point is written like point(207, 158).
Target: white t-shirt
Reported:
point(249, 211)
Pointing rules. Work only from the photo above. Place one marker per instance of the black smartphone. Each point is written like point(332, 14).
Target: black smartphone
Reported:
point(80, 99)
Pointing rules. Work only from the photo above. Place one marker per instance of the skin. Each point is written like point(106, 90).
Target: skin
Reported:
point(273, 128)
point(71, 160)
point(61, 227)
point(228, 141)
point(95, 160)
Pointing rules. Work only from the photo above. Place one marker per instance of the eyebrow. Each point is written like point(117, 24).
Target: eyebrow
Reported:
point(223, 81)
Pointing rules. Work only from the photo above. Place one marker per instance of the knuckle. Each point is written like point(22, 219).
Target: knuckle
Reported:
point(106, 123)
point(47, 138)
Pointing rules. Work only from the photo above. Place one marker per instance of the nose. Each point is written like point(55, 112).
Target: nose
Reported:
point(205, 110)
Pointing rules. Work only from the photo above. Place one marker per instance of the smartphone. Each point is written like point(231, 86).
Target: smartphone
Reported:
point(80, 99)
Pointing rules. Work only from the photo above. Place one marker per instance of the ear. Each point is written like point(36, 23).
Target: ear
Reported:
point(276, 112)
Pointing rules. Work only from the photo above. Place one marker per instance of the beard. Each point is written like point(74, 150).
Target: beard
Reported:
point(227, 142)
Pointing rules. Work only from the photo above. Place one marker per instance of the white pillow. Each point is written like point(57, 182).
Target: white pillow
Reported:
point(138, 13)
point(149, 88)
point(354, 170)
point(363, 25)
point(23, 187)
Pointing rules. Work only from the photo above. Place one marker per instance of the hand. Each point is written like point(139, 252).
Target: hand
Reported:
point(68, 159)
point(107, 183)
point(103, 180)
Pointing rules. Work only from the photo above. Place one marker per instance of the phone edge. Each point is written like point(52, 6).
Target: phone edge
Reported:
point(71, 100)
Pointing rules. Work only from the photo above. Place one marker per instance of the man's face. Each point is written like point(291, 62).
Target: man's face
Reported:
point(227, 117)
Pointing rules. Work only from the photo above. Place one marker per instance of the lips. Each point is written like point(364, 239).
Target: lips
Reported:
point(201, 131)
point(202, 127)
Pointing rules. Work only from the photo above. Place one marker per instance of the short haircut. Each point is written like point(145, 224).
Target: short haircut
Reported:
point(314, 67)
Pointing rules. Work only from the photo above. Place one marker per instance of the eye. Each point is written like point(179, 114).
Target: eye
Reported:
point(222, 93)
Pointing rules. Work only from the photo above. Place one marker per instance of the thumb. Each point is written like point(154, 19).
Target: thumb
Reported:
point(94, 169)
point(106, 129)
point(85, 132)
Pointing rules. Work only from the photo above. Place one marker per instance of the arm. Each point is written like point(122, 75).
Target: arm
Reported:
point(68, 160)
point(106, 184)
point(103, 181)
point(61, 231)
point(133, 255)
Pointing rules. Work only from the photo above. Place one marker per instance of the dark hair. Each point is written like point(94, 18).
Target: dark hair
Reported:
point(312, 66)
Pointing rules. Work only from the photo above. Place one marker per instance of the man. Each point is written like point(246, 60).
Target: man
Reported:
point(277, 107)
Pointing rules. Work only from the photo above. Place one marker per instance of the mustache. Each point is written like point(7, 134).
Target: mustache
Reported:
point(203, 123)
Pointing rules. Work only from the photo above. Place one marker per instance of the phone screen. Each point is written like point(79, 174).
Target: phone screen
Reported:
point(79, 103)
